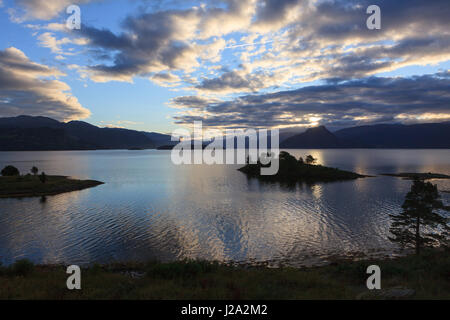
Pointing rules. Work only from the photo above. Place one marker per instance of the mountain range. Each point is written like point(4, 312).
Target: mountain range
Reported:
point(389, 136)
point(42, 133)
point(26, 133)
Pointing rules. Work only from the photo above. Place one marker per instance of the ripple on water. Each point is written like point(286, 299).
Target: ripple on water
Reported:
point(150, 209)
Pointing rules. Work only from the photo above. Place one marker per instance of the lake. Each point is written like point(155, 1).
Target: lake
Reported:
point(149, 208)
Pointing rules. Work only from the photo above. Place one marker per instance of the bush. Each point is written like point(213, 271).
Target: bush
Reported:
point(182, 269)
point(10, 171)
point(22, 267)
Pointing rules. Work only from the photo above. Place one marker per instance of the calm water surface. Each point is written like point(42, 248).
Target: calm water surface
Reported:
point(151, 209)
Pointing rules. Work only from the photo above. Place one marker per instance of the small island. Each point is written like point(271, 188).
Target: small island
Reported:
point(14, 185)
point(166, 147)
point(417, 176)
point(292, 170)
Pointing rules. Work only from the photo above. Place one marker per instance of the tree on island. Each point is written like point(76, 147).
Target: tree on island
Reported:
point(34, 170)
point(43, 177)
point(310, 160)
point(419, 225)
point(10, 171)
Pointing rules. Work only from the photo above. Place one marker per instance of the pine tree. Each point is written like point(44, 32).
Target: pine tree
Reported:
point(43, 177)
point(419, 225)
point(310, 160)
point(34, 170)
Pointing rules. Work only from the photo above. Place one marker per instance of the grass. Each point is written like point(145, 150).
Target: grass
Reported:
point(31, 186)
point(427, 274)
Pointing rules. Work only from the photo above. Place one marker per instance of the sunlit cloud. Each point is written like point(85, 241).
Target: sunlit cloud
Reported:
point(30, 88)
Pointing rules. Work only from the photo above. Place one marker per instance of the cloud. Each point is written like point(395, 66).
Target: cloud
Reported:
point(29, 88)
point(225, 48)
point(168, 40)
point(151, 43)
point(191, 102)
point(274, 14)
point(233, 81)
point(42, 9)
point(48, 40)
point(329, 39)
point(342, 104)
point(283, 43)
point(166, 79)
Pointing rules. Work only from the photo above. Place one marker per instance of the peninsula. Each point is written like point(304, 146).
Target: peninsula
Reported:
point(32, 186)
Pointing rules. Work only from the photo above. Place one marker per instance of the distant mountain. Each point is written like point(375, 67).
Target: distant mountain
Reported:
point(41, 133)
point(109, 138)
point(429, 135)
point(160, 139)
point(318, 137)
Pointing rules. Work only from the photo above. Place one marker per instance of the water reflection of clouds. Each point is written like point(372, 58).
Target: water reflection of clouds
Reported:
point(151, 209)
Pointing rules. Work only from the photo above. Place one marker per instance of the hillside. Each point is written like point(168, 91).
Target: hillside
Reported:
point(318, 137)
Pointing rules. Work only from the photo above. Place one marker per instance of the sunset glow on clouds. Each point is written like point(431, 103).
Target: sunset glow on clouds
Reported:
point(243, 63)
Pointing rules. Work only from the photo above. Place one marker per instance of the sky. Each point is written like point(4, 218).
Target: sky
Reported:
point(157, 65)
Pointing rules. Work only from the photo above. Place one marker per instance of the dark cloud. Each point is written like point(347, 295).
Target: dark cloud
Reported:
point(274, 10)
point(150, 42)
point(342, 19)
point(232, 80)
point(365, 101)
point(194, 102)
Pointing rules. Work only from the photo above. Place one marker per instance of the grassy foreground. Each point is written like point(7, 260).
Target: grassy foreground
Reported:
point(428, 275)
point(31, 186)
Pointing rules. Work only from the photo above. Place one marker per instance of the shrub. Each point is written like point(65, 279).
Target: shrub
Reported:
point(10, 171)
point(34, 170)
point(22, 267)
